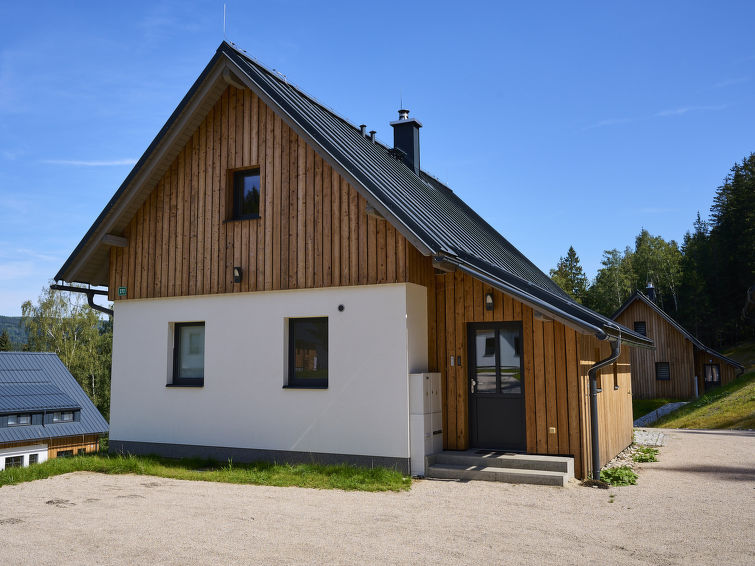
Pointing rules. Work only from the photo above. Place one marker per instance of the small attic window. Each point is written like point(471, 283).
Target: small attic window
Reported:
point(246, 194)
point(640, 327)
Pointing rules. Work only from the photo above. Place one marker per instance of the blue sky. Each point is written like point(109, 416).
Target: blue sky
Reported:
point(561, 123)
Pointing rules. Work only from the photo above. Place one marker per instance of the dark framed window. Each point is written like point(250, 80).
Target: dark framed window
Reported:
point(308, 352)
point(662, 371)
point(62, 417)
point(33, 459)
point(64, 454)
point(19, 420)
point(188, 354)
point(81, 451)
point(246, 194)
point(14, 462)
point(640, 327)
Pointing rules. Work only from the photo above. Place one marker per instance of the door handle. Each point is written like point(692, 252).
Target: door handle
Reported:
point(472, 384)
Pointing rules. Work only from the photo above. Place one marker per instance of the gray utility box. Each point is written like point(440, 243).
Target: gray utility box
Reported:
point(425, 419)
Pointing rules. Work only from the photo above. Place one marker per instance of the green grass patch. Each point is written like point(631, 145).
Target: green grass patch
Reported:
point(641, 407)
point(623, 475)
point(744, 353)
point(343, 476)
point(645, 454)
point(728, 407)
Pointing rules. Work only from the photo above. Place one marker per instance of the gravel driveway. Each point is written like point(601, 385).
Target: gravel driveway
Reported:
point(695, 506)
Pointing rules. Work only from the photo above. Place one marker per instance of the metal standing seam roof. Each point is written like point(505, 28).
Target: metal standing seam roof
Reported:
point(422, 208)
point(639, 295)
point(38, 381)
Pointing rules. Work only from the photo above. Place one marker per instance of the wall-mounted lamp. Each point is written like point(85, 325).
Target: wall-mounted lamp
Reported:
point(237, 272)
point(488, 301)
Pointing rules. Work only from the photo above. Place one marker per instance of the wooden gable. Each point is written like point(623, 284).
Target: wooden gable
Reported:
point(313, 229)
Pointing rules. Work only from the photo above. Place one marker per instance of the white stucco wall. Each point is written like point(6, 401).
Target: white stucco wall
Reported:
point(39, 449)
point(373, 344)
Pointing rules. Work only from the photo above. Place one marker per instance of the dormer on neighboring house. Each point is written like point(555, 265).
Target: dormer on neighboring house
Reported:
point(680, 367)
point(44, 413)
point(278, 274)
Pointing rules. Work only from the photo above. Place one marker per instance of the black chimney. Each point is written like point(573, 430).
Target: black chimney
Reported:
point(650, 291)
point(406, 138)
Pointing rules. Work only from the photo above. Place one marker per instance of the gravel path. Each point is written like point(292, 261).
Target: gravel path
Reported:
point(695, 506)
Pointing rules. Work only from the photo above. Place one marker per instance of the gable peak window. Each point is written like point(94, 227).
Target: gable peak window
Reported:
point(640, 327)
point(246, 194)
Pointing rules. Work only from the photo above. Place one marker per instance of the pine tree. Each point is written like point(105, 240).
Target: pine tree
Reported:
point(5, 345)
point(569, 275)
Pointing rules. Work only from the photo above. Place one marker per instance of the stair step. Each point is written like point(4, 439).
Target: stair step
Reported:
point(559, 464)
point(508, 475)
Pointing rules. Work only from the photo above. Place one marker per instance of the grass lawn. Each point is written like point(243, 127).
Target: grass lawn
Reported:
point(261, 473)
point(744, 353)
point(730, 407)
point(641, 407)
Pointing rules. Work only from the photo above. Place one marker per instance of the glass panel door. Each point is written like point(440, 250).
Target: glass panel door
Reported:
point(485, 368)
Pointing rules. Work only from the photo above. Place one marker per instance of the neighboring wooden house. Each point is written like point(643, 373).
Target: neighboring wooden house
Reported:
point(44, 413)
point(277, 273)
point(680, 367)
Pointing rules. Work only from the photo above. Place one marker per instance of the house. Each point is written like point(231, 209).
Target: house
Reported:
point(44, 413)
point(680, 367)
point(277, 273)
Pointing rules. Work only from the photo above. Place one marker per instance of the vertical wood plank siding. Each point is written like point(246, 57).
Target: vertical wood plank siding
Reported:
point(87, 442)
point(670, 346)
point(556, 359)
point(313, 230)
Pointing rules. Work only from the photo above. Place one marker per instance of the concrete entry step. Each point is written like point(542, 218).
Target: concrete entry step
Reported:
point(492, 459)
point(507, 475)
point(500, 466)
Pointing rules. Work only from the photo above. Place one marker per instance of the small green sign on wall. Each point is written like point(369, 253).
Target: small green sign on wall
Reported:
point(121, 291)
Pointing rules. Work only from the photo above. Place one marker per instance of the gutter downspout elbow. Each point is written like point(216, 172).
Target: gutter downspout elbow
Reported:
point(594, 429)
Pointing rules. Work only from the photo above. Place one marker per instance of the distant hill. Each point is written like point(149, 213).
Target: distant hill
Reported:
point(15, 329)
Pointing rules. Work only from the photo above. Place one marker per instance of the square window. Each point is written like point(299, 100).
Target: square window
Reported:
point(14, 462)
point(188, 354)
point(246, 194)
point(640, 327)
point(308, 352)
point(662, 371)
point(33, 458)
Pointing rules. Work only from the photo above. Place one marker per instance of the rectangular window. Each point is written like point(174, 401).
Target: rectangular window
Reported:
point(81, 451)
point(33, 459)
point(62, 417)
point(64, 454)
point(14, 462)
point(640, 327)
point(712, 375)
point(662, 371)
point(188, 354)
point(308, 352)
point(246, 194)
point(19, 420)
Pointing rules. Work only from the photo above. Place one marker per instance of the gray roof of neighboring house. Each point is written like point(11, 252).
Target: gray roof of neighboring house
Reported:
point(39, 382)
point(639, 295)
point(422, 208)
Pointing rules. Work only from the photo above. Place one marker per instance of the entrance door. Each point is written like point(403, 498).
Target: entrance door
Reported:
point(496, 399)
point(712, 376)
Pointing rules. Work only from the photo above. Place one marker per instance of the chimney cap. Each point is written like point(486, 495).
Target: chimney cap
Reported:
point(403, 118)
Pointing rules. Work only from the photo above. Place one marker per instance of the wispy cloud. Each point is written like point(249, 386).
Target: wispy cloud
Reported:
point(15, 270)
point(77, 163)
point(685, 109)
point(608, 122)
point(731, 82)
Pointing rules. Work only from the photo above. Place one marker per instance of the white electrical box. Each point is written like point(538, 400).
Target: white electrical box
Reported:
point(425, 419)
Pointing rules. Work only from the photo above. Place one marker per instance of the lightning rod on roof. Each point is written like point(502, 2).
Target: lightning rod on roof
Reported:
point(224, 37)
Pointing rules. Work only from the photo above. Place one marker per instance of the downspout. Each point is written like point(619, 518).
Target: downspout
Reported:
point(594, 429)
point(90, 293)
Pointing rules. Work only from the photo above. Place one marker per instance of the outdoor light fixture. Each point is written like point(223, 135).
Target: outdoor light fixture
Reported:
point(237, 274)
point(488, 301)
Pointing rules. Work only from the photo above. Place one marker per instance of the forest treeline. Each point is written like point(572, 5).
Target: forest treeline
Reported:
point(703, 284)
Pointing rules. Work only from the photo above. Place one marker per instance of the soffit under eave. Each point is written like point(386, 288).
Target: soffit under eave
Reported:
point(92, 264)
